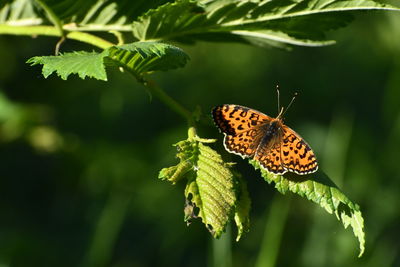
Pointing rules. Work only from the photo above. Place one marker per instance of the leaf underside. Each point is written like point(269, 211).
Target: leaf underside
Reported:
point(263, 23)
point(277, 23)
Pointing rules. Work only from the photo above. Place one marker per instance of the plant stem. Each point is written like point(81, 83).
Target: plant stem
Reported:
point(164, 97)
point(52, 17)
point(167, 100)
point(53, 31)
point(101, 43)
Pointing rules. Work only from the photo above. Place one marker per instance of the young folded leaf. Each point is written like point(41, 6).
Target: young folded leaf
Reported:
point(242, 211)
point(213, 192)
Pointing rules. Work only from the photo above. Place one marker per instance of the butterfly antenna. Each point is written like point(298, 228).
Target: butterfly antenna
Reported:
point(277, 94)
point(291, 101)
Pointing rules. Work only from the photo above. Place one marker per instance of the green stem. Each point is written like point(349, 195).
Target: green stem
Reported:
point(53, 31)
point(192, 133)
point(120, 37)
point(52, 17)
point(101, 43)
point(166, 99)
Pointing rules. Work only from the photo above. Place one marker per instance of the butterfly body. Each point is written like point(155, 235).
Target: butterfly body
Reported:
point(252, 134)
point(272, 133)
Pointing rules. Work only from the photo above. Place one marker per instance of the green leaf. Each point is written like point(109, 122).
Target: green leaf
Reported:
point(212, 190)
point(78, 14)
point(213, 193)
point(142, 57)
point(242, 211)
point(258, 22)
point(318, 188)
point(19, 12)
point(83, 63)
point(177, 172)
point(99, 13)
point(138, 58)
point(264, 23)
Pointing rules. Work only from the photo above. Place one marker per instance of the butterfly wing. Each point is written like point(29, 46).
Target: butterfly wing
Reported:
point(234, 119)
point(270, 159)
point(296, 155)
point(240, 126)
point(278, 151)
point(245, 143)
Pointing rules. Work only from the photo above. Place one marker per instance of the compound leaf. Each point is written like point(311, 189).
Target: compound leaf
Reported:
point(258, 22)
point(139, 58)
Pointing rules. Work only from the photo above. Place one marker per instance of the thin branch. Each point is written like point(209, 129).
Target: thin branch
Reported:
point(53, 31)
point(169, 101)
point(53, 18)
point(166, 99)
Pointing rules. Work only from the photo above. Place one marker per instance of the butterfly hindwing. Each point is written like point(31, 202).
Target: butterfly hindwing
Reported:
point(272, 160)
point(297, 155)
point(245, 143)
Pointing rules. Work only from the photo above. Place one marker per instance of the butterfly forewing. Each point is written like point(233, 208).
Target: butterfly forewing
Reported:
point(234, 119)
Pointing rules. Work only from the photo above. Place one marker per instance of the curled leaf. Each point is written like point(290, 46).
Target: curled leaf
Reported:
point(242, 211)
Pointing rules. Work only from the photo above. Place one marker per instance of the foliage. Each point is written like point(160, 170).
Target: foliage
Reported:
point(318, 188)
point(213, 193)
point(257, 22)
point(138, 58)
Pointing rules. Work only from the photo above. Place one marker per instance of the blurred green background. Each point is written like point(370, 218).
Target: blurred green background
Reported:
point(80, 158)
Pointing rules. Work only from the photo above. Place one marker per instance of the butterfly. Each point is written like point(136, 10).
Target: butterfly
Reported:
point(252, 134)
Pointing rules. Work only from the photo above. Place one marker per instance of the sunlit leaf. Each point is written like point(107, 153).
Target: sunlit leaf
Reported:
point(84, 64)
point(139, 58)
point(83, 14)
point(258, 22)
point(213, 192)
point(242, 211)
point(318, 188)
point(19, 12)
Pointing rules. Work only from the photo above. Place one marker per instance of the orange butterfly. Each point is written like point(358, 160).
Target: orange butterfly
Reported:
point(252, 134)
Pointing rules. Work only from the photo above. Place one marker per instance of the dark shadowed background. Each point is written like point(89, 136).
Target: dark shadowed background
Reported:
point(79, 159)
